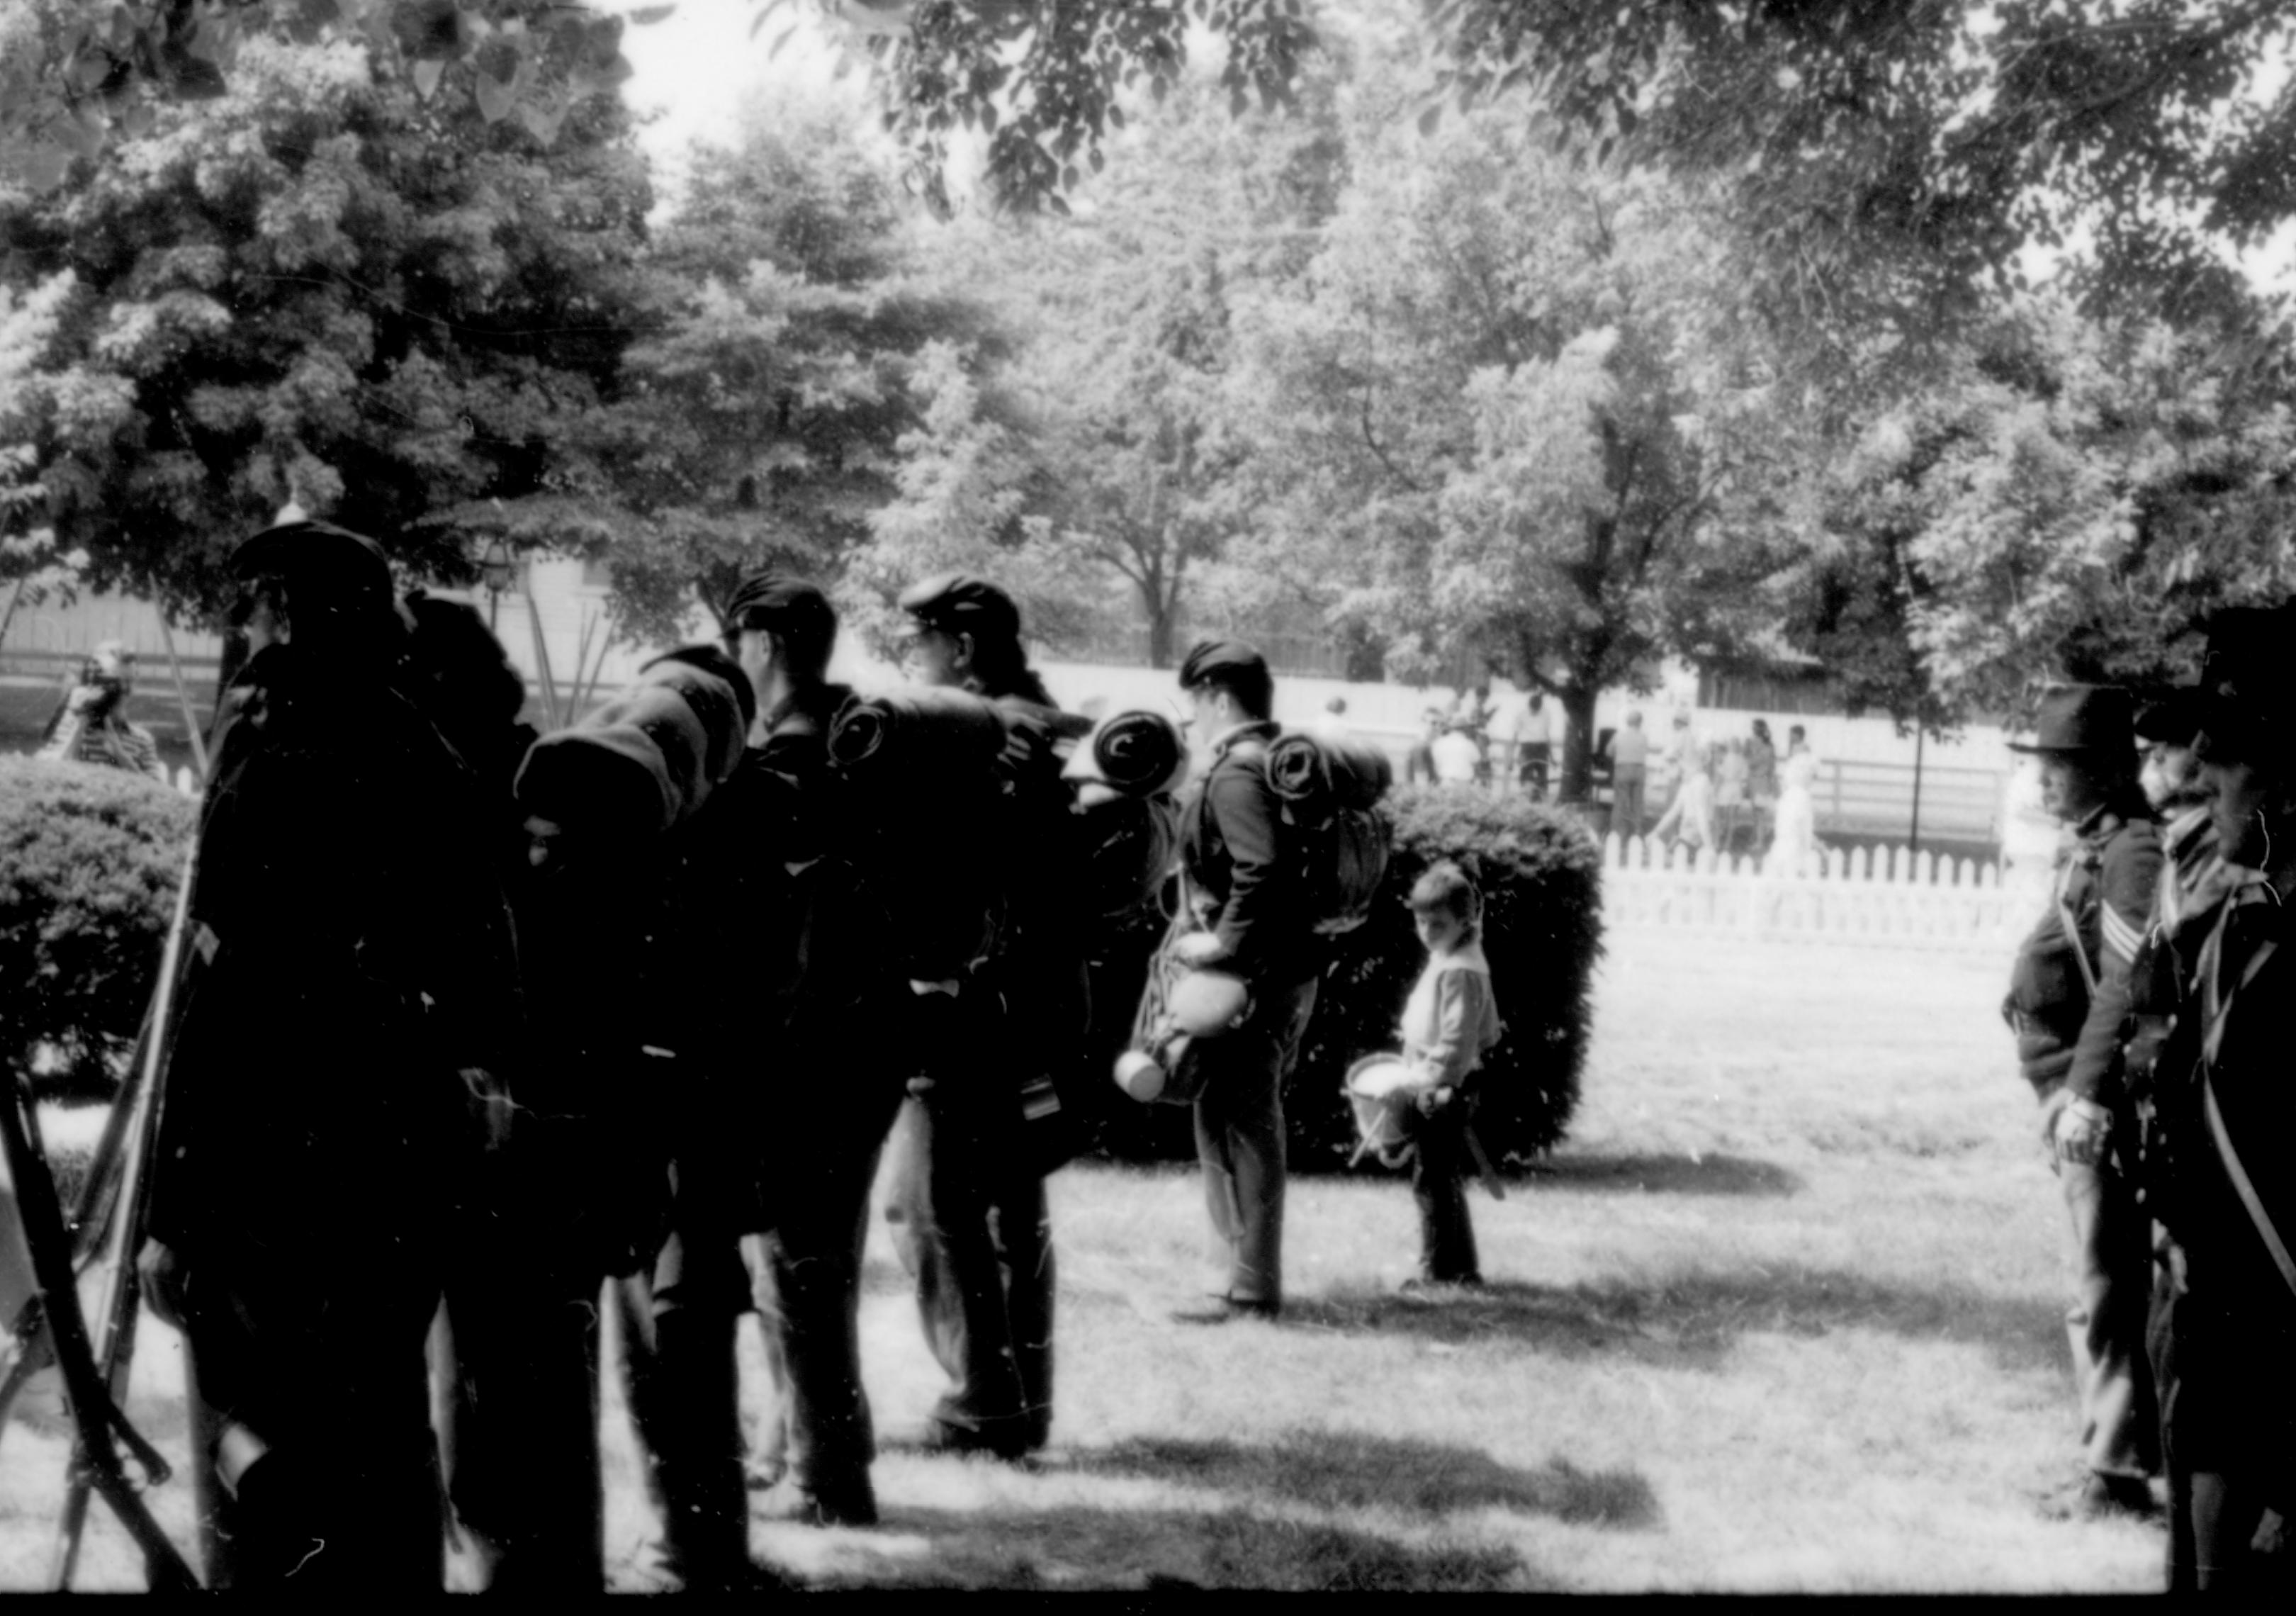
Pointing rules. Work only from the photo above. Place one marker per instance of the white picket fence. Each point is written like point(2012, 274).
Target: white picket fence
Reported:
point(1891, 898)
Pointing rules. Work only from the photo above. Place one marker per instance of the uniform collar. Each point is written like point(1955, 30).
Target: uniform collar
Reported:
point(1261, 729)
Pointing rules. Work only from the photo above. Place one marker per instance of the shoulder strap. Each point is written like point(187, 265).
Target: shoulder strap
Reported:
point(2073, 932)
point(2217, 1004)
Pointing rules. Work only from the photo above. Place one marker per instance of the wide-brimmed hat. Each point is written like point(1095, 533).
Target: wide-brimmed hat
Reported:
point(2083, 719)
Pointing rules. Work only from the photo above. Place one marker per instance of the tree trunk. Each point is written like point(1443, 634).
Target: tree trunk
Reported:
point(1579, 739)
point(1159, 637)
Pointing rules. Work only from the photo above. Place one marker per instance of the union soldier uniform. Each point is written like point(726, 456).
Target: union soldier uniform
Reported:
point(583, 1190)
point(352, 994)
point(968, 1204)
point(819, 1083)
point(2068, 1001)
point(2224, 1331)
point(1245, 890)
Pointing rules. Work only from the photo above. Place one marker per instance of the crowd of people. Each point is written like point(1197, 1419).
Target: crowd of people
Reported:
point(478, 1026)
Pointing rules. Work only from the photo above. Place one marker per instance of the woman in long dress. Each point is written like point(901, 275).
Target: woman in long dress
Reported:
point(1796, 842)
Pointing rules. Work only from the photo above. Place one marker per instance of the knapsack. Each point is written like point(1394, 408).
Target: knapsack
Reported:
point(1328, 791)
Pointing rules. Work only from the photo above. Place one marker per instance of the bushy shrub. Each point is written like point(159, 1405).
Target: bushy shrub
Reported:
point(1541, 879)
point(1540, 876)
point(89, 862)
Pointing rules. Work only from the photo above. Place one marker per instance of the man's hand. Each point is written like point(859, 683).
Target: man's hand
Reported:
point(159, 1273)
point(1198, 949)
point(2081, 1129)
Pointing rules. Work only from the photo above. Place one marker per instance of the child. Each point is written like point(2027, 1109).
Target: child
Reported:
point(1449, 1022)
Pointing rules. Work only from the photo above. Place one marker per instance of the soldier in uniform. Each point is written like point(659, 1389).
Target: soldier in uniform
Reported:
point(580, 1190)
point(2067, 1002)
point(2224, 1331)
point(968, 1204)
point(815, 937)
point(333, 1080)
point(1248, 899)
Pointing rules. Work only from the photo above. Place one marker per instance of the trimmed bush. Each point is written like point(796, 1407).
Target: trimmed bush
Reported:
point(1541, 879)
point(1540, 875)
point(89, 862)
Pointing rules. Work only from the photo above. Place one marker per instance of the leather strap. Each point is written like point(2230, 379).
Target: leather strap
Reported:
point(2217, 1004)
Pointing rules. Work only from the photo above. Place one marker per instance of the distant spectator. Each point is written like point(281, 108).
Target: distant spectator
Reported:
point(1331, 723)
point(1474, 708)
point(1420, 763)
point(1673, 760)
point(1730, 810)
point(91, 724)
point(1688, 821)
point(1629, 773)
point(1762, 781)
point(1796, 843)
point(1534, 745)
point(1458, 759)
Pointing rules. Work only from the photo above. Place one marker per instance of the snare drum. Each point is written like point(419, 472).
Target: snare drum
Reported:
point(1382, 1090)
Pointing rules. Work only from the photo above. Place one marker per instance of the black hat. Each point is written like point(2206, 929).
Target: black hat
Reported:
point(1205, 657)
point(779, 603)
point(962, 603)
point(299, 551)
point(2246, 700)
point(2169, 715)
point(2083, 719)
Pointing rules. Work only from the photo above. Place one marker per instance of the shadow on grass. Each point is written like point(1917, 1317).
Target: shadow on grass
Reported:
point(1706, 1174)
point(1079, 1546)
point(1339, 1470)
point(1695, 1321)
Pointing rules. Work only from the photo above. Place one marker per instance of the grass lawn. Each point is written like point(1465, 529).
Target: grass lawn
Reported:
point(1784, 1315)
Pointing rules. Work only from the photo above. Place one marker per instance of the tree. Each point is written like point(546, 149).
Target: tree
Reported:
point(1127, 465)
point(2071, 503)
point(789, 345)
point(1514, 407)
point(321, 285)
point(79, 77)
point(1894, 159)
point(29, 554)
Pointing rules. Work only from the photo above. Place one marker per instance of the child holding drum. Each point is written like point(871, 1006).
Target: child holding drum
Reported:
point(1448, 1023)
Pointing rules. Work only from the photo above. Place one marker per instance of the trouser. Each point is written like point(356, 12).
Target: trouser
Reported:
point(1537, 757)
point(969, 1222)
point(1239, 1119)
point(2111, 1255)
point(312, 1373)
point(1626, 800)
point(521, 1423)
point(2229, 1440)
point(1440, 1166)
point(805, 1278)
point(678, 1322)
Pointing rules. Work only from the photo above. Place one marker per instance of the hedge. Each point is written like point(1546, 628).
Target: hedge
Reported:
point(90, 858)
point(1541, 879)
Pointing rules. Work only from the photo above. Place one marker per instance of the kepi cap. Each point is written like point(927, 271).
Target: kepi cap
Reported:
point(1206, 656)
point(962, 603)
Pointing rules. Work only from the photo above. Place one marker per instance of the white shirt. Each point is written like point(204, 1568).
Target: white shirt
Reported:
point(1456, 756)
